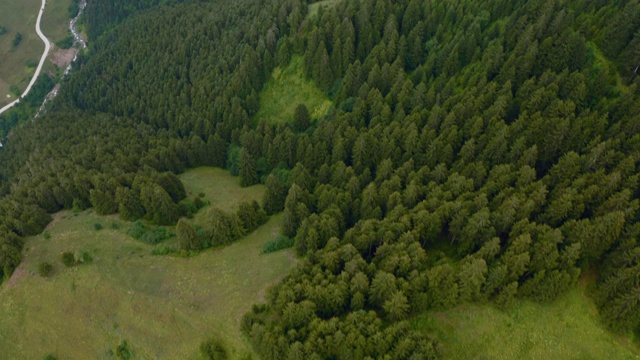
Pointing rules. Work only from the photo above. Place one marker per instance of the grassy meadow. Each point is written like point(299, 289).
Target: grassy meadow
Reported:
point(163, 306)
point(285, 90)
point(17, 65)
point(567, 328)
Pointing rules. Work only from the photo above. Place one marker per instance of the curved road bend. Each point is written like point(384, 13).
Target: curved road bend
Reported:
point(47, 47)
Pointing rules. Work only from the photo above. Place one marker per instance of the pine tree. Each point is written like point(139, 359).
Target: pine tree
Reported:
point(248, 169)
point(301, 118)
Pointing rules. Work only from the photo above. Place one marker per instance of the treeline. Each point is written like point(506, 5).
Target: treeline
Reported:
point(28, 106)
point(220, 227)
point(77, 159)
point(477, 151)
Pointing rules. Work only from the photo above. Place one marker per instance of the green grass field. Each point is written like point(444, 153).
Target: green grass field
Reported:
point(568, 328)
point(20, 16)
point(163, 306)
point(285, 90)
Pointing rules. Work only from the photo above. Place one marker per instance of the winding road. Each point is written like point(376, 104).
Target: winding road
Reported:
point(47, 47)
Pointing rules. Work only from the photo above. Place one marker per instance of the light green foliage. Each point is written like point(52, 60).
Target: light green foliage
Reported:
point(567, 328)
point(288, 88)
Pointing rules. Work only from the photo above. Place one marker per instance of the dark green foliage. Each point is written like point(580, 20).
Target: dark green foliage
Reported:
point(233, 160)
point(137, 230)
point(501, 138)
point(301, 118)
point(248, 169)
point(275, 194)
point(187, 235)
point(281, 242)
point(68, 259)
point(149, 234)
point(123, 352)
point(66, 43)
point(213, 349)
point(104, 203)
point(3, 30)
point(49, 357)
point(129, 206)
point(17, 40)
point(45, 269)
point(97, 226)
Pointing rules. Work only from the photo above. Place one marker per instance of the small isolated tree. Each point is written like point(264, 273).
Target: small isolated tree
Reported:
point(44, 269)
point(68, 259)
point(213, 349)
point(301, 118)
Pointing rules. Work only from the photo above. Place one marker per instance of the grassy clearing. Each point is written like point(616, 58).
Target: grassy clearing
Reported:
point(313, 8)
point(20, 16)
point(285, 90)
point(55, 20)
point(565, 329)
point(220, 189)
point(163, 306)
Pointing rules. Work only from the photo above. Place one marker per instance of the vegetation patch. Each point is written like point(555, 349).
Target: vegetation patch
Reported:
point(279, 243)
point(287, 89)
point(126, 294)
point(324, 4)
point(567, 328)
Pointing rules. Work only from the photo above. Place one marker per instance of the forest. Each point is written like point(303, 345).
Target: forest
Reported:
point(476, 151)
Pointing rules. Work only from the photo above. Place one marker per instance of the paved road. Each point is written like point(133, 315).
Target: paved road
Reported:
point(47, 47)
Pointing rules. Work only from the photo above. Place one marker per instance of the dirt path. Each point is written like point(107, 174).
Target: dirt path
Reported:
point(47, 47)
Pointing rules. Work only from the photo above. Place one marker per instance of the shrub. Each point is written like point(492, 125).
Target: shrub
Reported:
point(46, 235)
point(97, 226)
point(68, 259)
point(44, 269)
point(155, 235)
point(115, 226)
point(82, 257)
point(163, 250)
point(213, 349)
point(49, 357)
point(137, 230)
point(149, 235)
point(279, 243)
point(123, 352)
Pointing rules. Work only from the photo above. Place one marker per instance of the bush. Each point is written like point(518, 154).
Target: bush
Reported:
point(68, 259)
point(115, 226)
point(46, 235)
point(149, 235)
point(65, 43)
point(137, 230)
point(213, 349)
point(82, 257)
point(97, 226)
point(163, 250)
point(44, 269)
point(123, 352)
point(279, 243)
point(155, 235)
point(49, 357)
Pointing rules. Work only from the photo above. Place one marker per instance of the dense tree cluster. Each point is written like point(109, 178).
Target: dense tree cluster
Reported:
point(476, 151)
